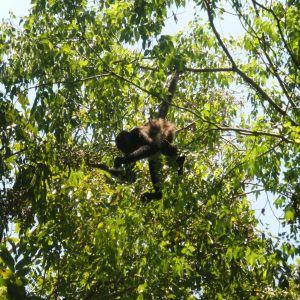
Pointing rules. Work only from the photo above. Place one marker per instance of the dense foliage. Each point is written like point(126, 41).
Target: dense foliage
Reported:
point(73, 74)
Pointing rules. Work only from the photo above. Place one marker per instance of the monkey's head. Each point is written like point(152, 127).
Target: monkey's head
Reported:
point(127, 142)
point(155, 128)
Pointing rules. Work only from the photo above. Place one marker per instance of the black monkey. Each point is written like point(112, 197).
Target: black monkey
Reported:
point(149, 141)
point(143, 142)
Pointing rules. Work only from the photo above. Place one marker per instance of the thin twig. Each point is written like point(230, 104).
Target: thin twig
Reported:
point(262, 42)
point(242, 131)
point(66, 81)
point(209, 70)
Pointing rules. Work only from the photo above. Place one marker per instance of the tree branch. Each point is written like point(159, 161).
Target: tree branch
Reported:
point(194, 70)
point(280, 32)
point(67, 82)
point(262, 41)
point(126, 174)
point(246, 78)
point(134, 84)
point(208, 70)
point(244, 131)
point(241, 131)
point(165, 105)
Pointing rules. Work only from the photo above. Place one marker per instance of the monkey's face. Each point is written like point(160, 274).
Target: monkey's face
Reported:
point(154, 128)
point(154, 131)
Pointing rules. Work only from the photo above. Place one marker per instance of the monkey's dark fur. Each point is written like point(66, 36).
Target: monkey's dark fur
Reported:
point(143, 142)
point(153, 138)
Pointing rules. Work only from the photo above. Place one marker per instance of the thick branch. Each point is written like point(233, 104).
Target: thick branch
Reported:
point(171, 90)
point(265, 96)
point(164, 107)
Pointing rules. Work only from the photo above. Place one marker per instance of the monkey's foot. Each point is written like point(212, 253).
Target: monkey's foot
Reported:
point(147, 197)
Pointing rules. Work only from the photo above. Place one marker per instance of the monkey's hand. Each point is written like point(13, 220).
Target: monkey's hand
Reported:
point(119, 161)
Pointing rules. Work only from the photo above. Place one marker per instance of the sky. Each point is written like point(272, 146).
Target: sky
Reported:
point(18, 7)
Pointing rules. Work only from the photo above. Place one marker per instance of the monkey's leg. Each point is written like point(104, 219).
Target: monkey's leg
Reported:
point(142, 152)
point(154, 167)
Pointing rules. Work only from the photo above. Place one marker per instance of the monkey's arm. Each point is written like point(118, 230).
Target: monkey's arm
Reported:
point(142, 152)
point(127, 174)
point(145, 151)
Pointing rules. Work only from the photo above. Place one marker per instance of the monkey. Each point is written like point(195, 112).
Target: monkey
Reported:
point(144, 142)
point(149, 141)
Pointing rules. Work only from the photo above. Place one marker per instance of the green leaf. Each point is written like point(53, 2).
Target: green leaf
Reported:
point(289, 213)
point(7, 258)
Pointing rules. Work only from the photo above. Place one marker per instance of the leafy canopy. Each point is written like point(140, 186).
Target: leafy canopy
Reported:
point(73, 74)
